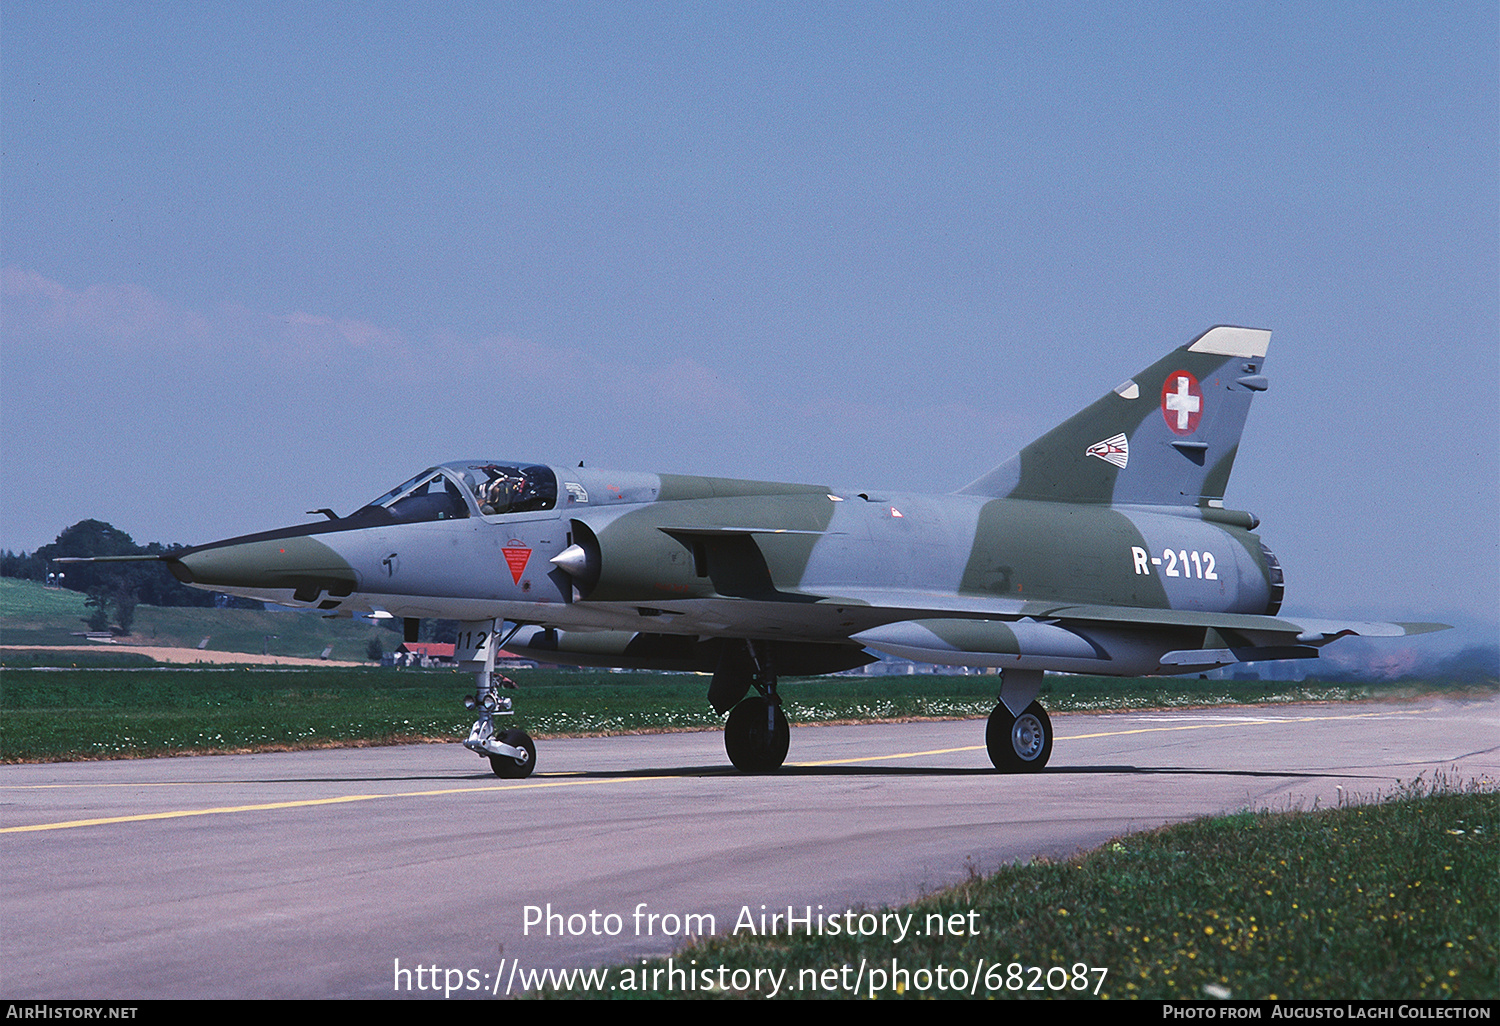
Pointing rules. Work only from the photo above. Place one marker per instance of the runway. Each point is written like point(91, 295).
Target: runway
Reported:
point(312, 874)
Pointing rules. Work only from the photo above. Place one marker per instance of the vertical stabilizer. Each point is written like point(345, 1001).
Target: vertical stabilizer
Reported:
point(1166, 436)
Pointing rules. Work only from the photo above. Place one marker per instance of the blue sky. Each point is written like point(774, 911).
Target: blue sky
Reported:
point(259, 259)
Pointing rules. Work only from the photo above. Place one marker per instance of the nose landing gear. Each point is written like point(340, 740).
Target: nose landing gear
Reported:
point(512, 753)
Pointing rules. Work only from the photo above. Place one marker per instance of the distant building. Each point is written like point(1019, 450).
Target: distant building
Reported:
point(426, 654)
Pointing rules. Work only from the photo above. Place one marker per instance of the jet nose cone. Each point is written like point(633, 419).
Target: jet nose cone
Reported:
point(297, 563)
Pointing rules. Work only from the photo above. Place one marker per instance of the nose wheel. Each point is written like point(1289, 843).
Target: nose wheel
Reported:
point(515, 767)
point(511, 752)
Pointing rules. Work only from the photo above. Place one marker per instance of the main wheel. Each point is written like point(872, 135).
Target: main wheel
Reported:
point(1019, 744)
point(515, 769)
point(754, 744)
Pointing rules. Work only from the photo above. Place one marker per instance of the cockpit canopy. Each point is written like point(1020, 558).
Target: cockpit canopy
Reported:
point(454, 491)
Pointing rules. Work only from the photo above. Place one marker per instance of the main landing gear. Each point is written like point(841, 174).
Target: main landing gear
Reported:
point(756, 735)
point(1019, 743)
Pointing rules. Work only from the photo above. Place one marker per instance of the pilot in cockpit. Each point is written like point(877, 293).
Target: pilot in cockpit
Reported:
point(506, 489)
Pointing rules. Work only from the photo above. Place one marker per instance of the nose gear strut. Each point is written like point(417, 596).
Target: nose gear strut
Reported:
point(511, 752)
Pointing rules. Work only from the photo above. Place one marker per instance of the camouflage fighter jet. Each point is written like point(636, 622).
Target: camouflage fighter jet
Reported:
point(1103, 547)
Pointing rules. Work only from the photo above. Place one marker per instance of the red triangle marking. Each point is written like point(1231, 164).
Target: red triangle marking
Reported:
point(516, 559)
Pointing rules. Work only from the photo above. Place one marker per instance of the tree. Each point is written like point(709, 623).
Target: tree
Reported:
point(90, 538)
point(98, 601)
point(125, 602)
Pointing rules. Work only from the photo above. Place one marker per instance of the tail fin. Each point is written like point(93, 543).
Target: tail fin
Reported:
point(1167, 436)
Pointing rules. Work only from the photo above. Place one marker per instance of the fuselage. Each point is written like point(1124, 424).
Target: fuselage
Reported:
point(584, 549)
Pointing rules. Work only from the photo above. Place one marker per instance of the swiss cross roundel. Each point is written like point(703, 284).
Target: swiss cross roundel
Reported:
point(1181, 402)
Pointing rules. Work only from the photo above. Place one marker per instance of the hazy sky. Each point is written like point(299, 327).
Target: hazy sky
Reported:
point(263, 258)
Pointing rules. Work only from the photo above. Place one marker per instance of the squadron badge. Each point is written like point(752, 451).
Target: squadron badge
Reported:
point(1114, 450)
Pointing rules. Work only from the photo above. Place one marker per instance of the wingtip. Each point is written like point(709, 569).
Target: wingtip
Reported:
point(1424, 628)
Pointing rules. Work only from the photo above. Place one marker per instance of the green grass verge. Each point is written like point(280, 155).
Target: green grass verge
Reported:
point(100, 712)
point(1399, 899)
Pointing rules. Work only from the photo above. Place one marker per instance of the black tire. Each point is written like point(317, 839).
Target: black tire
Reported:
point(751, 747)
point(1019, 744)
point(514, 769)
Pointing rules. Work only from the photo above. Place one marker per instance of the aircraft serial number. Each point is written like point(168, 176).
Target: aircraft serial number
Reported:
point(1176, 563)
point(469, 642)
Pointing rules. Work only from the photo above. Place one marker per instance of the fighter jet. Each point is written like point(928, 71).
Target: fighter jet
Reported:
point(1103, 547)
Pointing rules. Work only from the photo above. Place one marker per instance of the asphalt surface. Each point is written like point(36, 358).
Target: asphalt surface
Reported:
point(321, 874)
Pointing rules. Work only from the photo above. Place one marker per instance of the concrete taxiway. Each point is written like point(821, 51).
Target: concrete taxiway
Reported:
point(314, 874)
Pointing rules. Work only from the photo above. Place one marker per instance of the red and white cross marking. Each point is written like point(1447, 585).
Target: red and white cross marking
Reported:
point(1181, 402)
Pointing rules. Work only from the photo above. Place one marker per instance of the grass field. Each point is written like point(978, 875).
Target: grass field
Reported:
point(129, 710)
